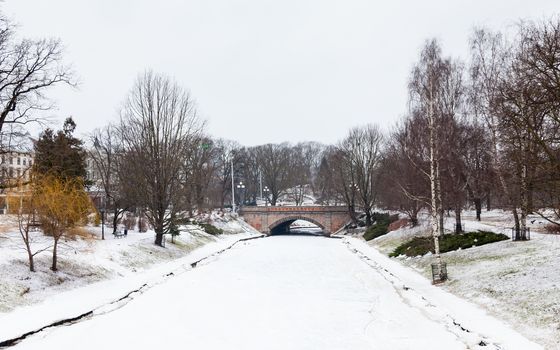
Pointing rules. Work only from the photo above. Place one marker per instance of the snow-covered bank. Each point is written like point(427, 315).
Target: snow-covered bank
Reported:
point(517, 282)
point(93, 273)
point(460, 317)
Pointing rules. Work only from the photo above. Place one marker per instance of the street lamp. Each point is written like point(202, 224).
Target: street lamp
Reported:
point(266, 190)
point(241, 187)
point(102, 210)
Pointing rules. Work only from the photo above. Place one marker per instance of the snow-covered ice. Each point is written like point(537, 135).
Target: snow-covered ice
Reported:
point(283, 292)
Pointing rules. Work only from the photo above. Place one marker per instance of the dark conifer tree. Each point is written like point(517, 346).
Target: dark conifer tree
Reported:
point(60, 153)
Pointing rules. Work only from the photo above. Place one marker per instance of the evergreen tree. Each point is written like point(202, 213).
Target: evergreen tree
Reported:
point(60, 154)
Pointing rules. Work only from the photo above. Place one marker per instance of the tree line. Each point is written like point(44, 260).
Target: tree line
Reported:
point(478, 131)
point(481, 130)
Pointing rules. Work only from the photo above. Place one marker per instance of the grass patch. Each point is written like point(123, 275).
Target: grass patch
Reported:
point(423, 245)
point(211, 229)
point(381, 225)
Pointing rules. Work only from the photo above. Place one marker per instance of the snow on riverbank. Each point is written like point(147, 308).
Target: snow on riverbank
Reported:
point(88, 259)
point(460, 316)
point(518, 282)
point(58, 304)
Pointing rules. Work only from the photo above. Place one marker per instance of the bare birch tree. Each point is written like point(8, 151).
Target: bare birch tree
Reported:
point(426, 97)
point(489, 59)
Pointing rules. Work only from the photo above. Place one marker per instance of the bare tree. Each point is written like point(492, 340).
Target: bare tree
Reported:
point(28, 68)
point(106, 155)
point(489, 59)
point(200, 168)
point(225, 155)
point(274, 163)
point(23, 202)
point(344, 180)
point(304, 161)
point(427, 97)
point(325, 185)
point(404, 186)
point(158, 125)
point(362, 148)
point(529, 98)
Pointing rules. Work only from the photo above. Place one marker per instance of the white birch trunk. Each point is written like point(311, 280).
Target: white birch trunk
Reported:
point(435, 212)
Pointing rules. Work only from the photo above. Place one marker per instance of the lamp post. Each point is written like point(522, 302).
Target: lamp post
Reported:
point(266, 190)
point(260, 183)
point(103, 219)
point(241, 188)
point(232, 189)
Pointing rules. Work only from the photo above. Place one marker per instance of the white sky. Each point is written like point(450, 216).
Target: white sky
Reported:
point(261, 70)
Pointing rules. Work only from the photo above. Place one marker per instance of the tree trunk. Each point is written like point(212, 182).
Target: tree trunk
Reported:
point(516, 221)
point(54, 257)
point(352, 213)
point(159, 239)
point(368, 217)
point(30, 256)
point(413, 214)
point(159, 227)
point(478, 207)
point(414, 221)
point(434, 185)
point(441, 227)
point(488, 206)
point(458, 224)
point(115, 220)
point(31, 263)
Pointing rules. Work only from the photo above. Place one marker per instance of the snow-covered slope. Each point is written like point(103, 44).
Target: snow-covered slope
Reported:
point(88, 259)
point(518, 282)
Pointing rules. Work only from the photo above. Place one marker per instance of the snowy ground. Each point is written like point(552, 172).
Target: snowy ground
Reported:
point(87, 259)
point(518, 282)
point(288, 292)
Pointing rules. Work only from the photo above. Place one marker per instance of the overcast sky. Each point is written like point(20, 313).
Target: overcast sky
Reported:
point(261, 71)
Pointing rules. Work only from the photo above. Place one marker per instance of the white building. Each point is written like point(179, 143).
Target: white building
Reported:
point(15, 166)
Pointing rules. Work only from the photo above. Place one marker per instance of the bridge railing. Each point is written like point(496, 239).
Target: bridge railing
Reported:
point(294, 209)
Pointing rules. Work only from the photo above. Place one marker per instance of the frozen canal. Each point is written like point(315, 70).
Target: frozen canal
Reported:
point(282, 292)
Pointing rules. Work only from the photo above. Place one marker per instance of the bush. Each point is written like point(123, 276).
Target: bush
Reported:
point(211, 229)
point(375, 231)
point(185, 221)
point(552, 229)
point(381, 225)
point(97, 219)
point(423, 245)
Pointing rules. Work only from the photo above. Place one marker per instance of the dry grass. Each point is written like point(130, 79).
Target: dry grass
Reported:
point(81, 232)
point(8, 223)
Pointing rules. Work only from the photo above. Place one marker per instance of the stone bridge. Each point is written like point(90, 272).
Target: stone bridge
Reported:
point(270, 219)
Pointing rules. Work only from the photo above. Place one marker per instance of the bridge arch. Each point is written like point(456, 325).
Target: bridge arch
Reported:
point(329, 218)
point(281, 224)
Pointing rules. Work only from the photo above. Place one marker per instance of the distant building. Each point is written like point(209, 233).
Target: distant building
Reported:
point(15, 166)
